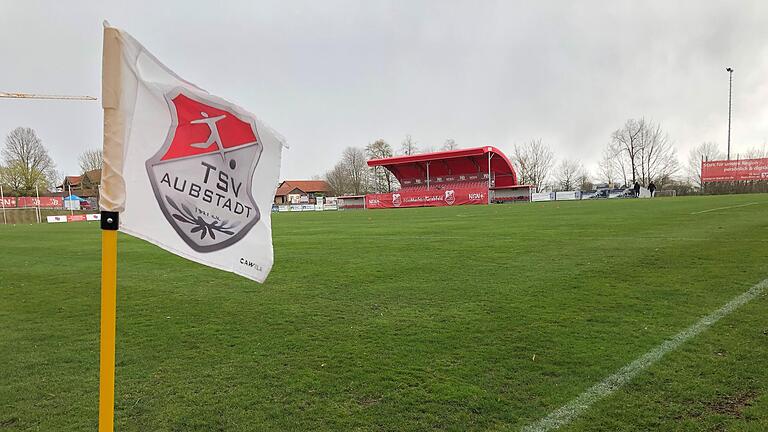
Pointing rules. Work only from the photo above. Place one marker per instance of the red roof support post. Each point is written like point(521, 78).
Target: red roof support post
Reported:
point(37, 211)
point(489, 177)
point(2, 200)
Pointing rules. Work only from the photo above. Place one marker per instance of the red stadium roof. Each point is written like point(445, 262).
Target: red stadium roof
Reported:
point(451, 163)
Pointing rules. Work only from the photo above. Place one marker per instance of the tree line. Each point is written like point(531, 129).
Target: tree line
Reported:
point(638, 151)
point(352, 176)
point(26, 167)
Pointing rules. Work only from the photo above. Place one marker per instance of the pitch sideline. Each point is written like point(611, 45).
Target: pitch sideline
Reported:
point(725, 208)
point(578, 406)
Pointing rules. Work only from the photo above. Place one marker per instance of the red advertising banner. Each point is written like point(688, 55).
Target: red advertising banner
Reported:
point(428, 198)
point(734, 170)
point(73, 218)
point(47, 202)
point(77, 218)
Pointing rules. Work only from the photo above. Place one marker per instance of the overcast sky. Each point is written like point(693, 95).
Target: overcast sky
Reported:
point(332, 74)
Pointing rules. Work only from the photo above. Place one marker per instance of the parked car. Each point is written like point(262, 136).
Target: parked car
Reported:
point(628, 193)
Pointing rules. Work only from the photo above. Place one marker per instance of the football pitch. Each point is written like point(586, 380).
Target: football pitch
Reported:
point(459, 319)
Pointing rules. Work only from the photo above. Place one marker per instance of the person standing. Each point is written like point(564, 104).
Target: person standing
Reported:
point(652, 189)
point(637, 189)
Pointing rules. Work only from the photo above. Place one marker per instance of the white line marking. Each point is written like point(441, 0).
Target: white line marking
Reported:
point(578, 406)
point(723, 208)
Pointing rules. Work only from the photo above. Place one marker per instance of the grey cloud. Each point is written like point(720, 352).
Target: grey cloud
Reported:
point(332, 74)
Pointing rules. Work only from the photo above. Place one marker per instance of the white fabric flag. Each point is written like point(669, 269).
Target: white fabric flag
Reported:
point(188, 171)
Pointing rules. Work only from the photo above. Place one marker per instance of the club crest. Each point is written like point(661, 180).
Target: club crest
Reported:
point(450, 197)
point(203, 173)
point(396, 200)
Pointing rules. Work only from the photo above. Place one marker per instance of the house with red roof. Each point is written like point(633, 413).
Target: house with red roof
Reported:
point(70, 182)
point(300, 191)
point(85, 185)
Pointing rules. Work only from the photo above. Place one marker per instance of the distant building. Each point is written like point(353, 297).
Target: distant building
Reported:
point(91, 180)
point(300, 191)
point(70, 183)
point(86, 185)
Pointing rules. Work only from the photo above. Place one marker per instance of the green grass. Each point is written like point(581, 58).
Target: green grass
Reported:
point(400, 320)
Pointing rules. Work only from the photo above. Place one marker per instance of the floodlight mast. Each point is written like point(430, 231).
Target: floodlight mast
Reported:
point(730, 88)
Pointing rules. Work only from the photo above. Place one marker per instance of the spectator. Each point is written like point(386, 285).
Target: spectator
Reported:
point(637, 189)
point(652, 188)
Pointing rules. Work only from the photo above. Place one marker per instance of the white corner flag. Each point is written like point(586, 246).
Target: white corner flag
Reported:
point(188, 171)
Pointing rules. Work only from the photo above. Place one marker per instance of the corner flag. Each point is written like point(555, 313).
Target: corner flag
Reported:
point(185, 170)
point(188, 171)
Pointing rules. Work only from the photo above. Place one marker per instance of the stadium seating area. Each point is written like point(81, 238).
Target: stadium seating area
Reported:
point(465, 171)
point(445, 185)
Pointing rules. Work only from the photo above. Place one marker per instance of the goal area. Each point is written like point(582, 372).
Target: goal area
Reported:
point(666, 193)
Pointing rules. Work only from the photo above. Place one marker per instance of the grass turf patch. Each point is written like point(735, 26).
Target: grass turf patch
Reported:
point(408, 319)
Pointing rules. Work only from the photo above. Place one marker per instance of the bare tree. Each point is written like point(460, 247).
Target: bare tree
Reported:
point(382, 179)
point(658, 157)
point(26, 163)
point(644, 151)
point(428, 149)
point(755, 153)
point(567, 175)
point(625, 143)
point(350, 174)
point(449, 144)
point(533, 162)
point(609, 169)
point(338, 183)
point(91, 159)
point(357, 169)
point(620, 163)
point(705, 151)
point(409, 147)
point(584, 182)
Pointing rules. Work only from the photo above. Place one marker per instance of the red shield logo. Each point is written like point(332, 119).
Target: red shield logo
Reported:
point(396, 201)
point(450, 197)
point(203, 173)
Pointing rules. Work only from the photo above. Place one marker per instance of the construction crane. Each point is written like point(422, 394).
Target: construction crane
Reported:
point(12, 95)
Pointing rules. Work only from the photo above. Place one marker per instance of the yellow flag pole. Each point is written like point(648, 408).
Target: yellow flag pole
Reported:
point(108, 312)
point(111, 187)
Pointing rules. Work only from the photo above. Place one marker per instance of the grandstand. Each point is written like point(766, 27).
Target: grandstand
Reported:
point(478, 175)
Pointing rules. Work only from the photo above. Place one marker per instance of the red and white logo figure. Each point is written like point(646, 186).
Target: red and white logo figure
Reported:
point(203, 173)
point(396, 201)
point(450, 197)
